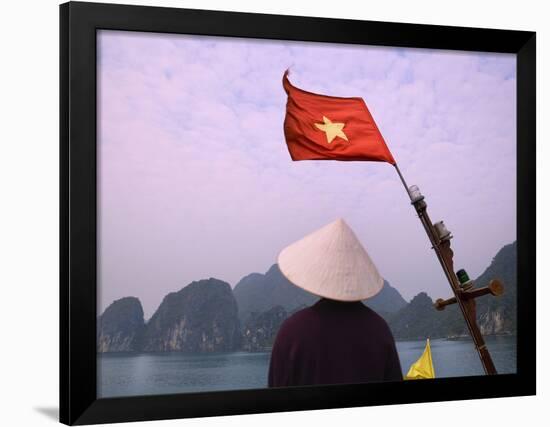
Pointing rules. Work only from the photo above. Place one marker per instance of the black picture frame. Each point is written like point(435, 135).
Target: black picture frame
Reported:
point(78, 278)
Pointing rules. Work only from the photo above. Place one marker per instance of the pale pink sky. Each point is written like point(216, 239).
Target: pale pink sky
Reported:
point(195, 180)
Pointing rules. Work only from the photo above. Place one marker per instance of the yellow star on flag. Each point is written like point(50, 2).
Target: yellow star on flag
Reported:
point(332, 130)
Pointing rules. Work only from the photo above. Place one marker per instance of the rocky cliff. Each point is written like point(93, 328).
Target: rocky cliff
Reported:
point(202, 317)
point(260, 330)
point(121, 326)
point(258, 293)
point(386, 302)
point(499, 315)
point(417, 319)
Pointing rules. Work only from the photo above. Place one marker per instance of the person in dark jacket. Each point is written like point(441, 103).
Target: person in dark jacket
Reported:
point(338, 340)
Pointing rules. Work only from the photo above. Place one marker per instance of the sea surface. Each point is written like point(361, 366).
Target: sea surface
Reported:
point(132, 374)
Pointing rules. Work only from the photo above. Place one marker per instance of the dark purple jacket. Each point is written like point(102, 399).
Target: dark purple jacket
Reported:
point(334, 342)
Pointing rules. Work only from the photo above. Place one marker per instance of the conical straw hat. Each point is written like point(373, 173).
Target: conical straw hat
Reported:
point(331, 263)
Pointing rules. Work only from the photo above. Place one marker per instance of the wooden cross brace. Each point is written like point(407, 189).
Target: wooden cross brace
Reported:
point(495, 288)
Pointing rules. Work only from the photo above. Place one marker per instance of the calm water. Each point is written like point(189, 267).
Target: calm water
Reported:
point(128, 374)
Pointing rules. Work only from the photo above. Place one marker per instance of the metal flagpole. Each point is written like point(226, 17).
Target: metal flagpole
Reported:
point(462, 287)
point(403, 180)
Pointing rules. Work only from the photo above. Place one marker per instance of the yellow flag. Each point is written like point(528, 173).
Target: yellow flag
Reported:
point(423, 367)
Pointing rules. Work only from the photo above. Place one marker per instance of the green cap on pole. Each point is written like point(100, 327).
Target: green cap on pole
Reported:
point(462, 276)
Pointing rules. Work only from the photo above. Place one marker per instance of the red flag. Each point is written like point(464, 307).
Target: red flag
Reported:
point(319, 127)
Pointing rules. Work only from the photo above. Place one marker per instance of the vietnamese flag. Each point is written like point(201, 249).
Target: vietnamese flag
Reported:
point(320, 127)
